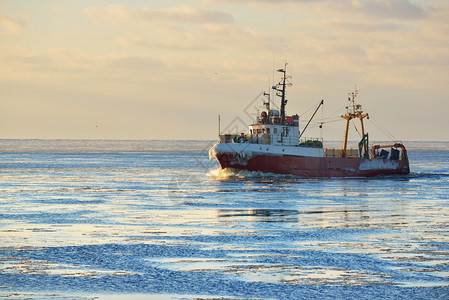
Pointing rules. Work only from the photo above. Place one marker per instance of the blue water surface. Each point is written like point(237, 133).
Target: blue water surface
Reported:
point(158, 219)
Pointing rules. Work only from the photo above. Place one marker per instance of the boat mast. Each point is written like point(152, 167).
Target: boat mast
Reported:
point(354, 111)
point(281, 92)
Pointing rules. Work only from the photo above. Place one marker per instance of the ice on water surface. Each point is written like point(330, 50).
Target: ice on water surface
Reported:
point(136, 218)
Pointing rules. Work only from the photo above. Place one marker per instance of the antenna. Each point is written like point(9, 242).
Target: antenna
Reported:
point(219, 130)
point(272, 78)
point(351, 99)
point(280, 90)
point(267, 104)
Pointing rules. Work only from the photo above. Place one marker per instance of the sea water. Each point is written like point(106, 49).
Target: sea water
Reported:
point(158, 219)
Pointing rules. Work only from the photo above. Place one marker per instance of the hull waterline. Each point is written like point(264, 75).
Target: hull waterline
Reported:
point(315, 166)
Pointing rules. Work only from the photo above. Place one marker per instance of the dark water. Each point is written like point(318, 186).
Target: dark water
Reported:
point(155, 219)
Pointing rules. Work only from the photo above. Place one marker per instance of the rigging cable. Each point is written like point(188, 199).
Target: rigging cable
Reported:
point(313, 107)
point(342, 108)
point(321, 124)
point(355, 127)
point(321, 103)
point(384, 131)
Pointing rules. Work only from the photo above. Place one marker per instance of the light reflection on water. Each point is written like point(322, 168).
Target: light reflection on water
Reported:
point(113, 222)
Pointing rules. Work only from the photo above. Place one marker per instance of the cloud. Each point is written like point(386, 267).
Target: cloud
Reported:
point(362, 36)
point(180, 14)
point(208, 37)
point(62, 65)
point(180, 28)
point(175, 28)
point(9, 26)
point(390, 9)
point(382, 9)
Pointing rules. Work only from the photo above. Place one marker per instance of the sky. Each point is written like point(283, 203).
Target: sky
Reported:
point(166, 69)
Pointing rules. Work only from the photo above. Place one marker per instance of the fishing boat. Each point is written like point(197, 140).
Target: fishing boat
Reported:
point(273, 145)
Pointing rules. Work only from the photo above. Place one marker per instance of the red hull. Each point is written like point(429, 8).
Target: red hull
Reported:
point(316, 166)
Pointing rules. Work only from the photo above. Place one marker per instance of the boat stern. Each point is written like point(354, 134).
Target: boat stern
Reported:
point(397, 154)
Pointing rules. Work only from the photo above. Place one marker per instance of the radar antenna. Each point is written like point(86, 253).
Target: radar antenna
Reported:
point(280, 91)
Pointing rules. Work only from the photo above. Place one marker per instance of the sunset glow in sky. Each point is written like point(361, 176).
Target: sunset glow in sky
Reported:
point(166, 69)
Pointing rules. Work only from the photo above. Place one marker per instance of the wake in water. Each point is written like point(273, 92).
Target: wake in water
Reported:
point(427, 175)
point(237, 174)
